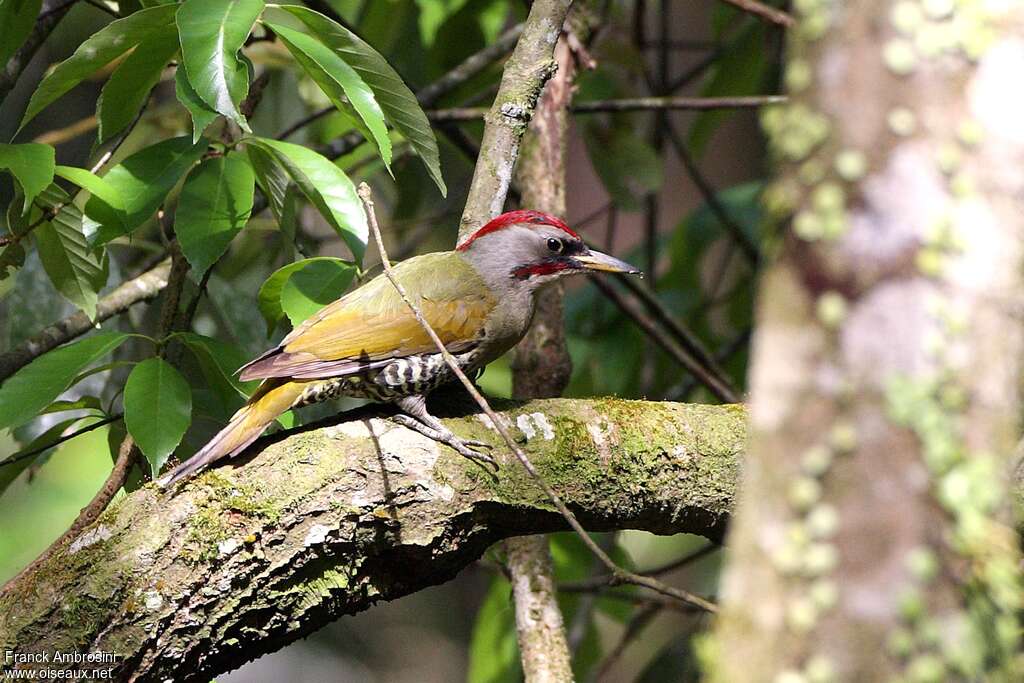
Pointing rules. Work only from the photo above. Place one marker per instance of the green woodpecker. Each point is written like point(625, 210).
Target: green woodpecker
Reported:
point(479, 299)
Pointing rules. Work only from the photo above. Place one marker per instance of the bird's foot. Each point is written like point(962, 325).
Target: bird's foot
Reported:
point(467, 448)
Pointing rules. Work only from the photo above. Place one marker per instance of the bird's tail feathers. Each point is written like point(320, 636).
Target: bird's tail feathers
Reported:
point(271, 399)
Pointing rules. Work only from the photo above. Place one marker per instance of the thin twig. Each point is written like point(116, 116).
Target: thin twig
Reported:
point(625, 104)
point(619, 574)
point(103, 8)
point(142, 288)
point(640, 619)
point(686, 338)
point(18, 457)
point(765, 12)
point(640, 599)
point(469, 67)
point(741, 238)
point(717, 385)
point(46, 14)
point(686, 387)
point(598, 582)
point(47, 20)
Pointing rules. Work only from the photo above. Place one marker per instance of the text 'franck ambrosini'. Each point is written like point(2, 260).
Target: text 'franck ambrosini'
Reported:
point(12, 657)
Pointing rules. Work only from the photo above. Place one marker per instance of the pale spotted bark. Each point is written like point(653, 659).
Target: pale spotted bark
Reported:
point(872, 540)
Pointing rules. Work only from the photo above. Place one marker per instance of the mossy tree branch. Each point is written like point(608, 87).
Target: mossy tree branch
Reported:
point(330, 520)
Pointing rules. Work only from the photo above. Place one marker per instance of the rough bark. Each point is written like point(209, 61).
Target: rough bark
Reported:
point(540, 628)
point(524, 75)
point(871, 541)
point(328, 521)
point(541, 368)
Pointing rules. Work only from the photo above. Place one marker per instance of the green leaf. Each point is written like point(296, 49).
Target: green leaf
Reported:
point(202, 115)
point(105, 367)
point(326, 186)
point(31, 164)
point(626, 164)
point(17, 17)
point(338, 81)
point(10, 472)
point(93, 184)
point(280, 192)
point(36, 385)
point(270, 297)
point(313, 287)
point(219, 362)
point(66, 255)
point(219, 389)
point(129, 86)
point(395, 98)
point(212, 32)
point(83, 403)
point(103, 47)
point(493, 650)
point(107, 204)
point(138, 185)
point(157, 409)
point(214, 205)
point(12, 258)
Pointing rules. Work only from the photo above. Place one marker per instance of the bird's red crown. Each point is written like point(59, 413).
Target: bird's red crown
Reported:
point(522, 216)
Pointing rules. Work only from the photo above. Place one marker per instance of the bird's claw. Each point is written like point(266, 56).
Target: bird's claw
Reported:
point(465, 448)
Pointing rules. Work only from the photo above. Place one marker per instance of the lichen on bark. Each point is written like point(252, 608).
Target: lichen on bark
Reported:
point(329, 520)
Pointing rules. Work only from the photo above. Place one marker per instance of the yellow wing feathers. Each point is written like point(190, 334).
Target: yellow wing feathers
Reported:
point(355, 333)
point(372, 323)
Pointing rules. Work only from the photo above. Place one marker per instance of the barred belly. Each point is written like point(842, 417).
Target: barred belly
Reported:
point(401, 377)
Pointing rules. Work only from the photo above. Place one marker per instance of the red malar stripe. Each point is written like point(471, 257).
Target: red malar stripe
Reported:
point(545, 268)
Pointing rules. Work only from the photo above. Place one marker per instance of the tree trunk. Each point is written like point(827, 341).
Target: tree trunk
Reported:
point(872, 541)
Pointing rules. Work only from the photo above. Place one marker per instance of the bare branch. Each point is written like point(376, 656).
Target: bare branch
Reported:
point(764, 12)
point(542, 367)
point(626, 104)
point(540, 630)
point(142, 288)
point(708, 376)
point(525, 73)
point(51, 12)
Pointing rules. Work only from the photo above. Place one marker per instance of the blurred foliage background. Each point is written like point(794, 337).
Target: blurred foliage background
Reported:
point(639, 185)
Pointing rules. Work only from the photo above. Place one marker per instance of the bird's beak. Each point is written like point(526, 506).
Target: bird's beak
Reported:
point(595, 260)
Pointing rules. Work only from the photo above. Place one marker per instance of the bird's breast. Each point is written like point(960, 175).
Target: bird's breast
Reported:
point(506, 325)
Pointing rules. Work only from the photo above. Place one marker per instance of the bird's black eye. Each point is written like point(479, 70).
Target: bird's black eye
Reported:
point(555, 245)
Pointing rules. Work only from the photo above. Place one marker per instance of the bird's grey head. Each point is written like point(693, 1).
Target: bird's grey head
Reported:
point(526, 249)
